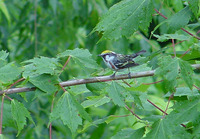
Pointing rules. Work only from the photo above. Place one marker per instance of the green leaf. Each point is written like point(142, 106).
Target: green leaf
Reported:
point(41, 65)
point(53, 4)
point(115, 92)
point(67, 110)
point(82, 57)
point(166, 37)
point(134, 96)
point(185, 111)
point(168, 68)
point(183, 92)
point(9, 73)
point(194, 6)
point(95, 101)
point(179, 19)
point(186, 72)
point(78, 89)
point(20, 113)
point(3, 54)
point(161, 129)
point(4, 10)
point(8, 120)
point(45, 82)
point(97, 87)
point(124, 18)
point(129, 133)
point(81, 110)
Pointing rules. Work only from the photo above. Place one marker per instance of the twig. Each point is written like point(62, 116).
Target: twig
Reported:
point(160, 14)
point(132, 112)
point(84, 81)
point(174, 47)
point(196, 87)
point(91, 80)
point(62, 88)
point(157, 107)
point(1, 120)
point(65, 64)
point(50, 125)
point(152, 83)
point(190, 33)
point(181, 28)
point(162, 110)
point(120, 115)
point(171, 96)
point(22, 79)
point(185, 52)
point(35, 27)
point(126, 83)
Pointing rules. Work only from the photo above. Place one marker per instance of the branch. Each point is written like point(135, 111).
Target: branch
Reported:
point(91, 80)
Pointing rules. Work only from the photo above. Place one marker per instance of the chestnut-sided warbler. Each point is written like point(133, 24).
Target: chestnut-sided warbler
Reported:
point(117, 62)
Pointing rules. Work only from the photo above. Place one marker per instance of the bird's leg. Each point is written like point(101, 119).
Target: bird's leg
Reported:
point(113, 74)
point(129, 73)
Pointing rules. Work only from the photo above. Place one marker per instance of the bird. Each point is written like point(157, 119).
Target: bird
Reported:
point(118, 62)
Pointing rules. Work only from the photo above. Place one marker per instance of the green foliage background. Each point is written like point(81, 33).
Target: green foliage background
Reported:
point(37, 37)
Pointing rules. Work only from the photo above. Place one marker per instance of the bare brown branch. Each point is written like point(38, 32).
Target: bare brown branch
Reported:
point(91, 80)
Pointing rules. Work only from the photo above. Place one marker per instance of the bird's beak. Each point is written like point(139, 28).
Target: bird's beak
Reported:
point(99, 55)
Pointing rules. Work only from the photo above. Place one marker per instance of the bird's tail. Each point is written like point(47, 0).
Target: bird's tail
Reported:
point(139, 53)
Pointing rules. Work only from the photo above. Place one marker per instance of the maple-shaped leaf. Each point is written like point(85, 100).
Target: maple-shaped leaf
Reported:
point(41, 65)
point(82, 57)
point(45, 82)
point(168, 68)
point(166, 37)
point(124, 18)
point(167, 130)
point(186, 72)
point(19, 114)
point(3, 55)
point(9, 73)
point(68, 111)
point(129, 133)
point(115, 92)
point(185, 111)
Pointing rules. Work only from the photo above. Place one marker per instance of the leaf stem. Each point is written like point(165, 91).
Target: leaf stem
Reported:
point(185, 52)
point(1, 119)
point(35, 26)
point(171, 96)
point(65, 64)
point(196, 87)
point(152, 83)
point(132, 112)
point(50, 125)
point(181, 28)
point(157, 107)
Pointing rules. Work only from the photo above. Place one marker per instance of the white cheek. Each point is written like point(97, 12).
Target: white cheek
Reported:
point(109, 58)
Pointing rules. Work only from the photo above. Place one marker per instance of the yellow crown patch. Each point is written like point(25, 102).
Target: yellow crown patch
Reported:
point(106, 51)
